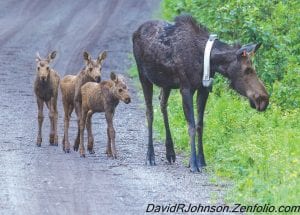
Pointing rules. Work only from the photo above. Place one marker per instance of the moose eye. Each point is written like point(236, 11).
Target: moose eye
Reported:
point(120, 90)
point(38, 68)
point(91, 69)
point(48, 68)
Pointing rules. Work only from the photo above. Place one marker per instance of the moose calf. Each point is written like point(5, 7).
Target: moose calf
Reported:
point(46, 89)
point(71, 95)
point(102, 97)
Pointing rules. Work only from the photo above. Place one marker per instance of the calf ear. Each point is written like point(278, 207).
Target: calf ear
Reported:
point(51, 56)
point(101, 57)
point(38, 57)
point(113, 77)
point(86, 57)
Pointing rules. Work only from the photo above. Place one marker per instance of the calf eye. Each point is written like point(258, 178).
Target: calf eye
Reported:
point(48, 68)
point(91, 69)
point(38, 68)
point(120, 90)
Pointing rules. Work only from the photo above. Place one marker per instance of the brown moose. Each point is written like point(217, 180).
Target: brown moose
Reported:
point(71, 94)
point(171, 57)
point(46, 90)
point(102, 97)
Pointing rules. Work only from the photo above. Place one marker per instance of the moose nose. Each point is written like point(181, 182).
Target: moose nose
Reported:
point(127, 100)
point(98, 79)
point(261, 102)
point(43, 78)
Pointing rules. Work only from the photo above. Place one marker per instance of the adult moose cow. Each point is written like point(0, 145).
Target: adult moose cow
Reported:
point(171, 57)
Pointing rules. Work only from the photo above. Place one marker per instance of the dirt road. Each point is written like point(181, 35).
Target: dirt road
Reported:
point(45, 180)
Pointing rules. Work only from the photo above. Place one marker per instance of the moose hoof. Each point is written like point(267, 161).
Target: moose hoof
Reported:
point(150, 160)
point(82, 155)
point(53, 144)
point(38, 144)
point(75, 148)
point(67, 150)
point(171, 158)
point(108, 152)
point(51, 139)
point(201, 164)
point(39, 141)
point(194, 167)
point(91, 151)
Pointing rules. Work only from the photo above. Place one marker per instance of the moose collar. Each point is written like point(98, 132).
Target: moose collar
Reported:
point(207, 81)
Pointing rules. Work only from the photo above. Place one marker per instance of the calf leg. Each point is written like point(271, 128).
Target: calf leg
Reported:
point(202, 95)
point(51, 135)
point(148, 94)
point(170, 153)
point(108, 148)
point(81, 134)
point(111, 133)
point(90, 133)
point(187, 99)
point(53, 120)
point(55, 123)
point(78, 113)
point(68, 109)
point(40, 104)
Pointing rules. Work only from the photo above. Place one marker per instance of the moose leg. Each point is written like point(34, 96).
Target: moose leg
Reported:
point(68, 108)
point(90, 133)
point(187, 99)
point(170, 153)
point(111, 133)
point(202, 95)
point(51, 135)
point(81, 134)
point(40, 104)
point(53, 121)
point(148, 94)
point(108, 148)
point(78, 113)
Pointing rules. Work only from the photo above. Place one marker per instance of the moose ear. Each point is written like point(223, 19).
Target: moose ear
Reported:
point(38, 57)
point(257, 46)
point(51, 56)
point(101, 57)
point(248, 49)
point(86, 57)
point(241, 53)
point(113, 77)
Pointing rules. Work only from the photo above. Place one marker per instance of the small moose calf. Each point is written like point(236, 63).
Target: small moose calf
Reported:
point(102, 97)
point(71, 95)
point(46, 90)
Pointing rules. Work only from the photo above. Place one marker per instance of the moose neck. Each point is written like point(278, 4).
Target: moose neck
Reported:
point(83, 76)
point(222, 55)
